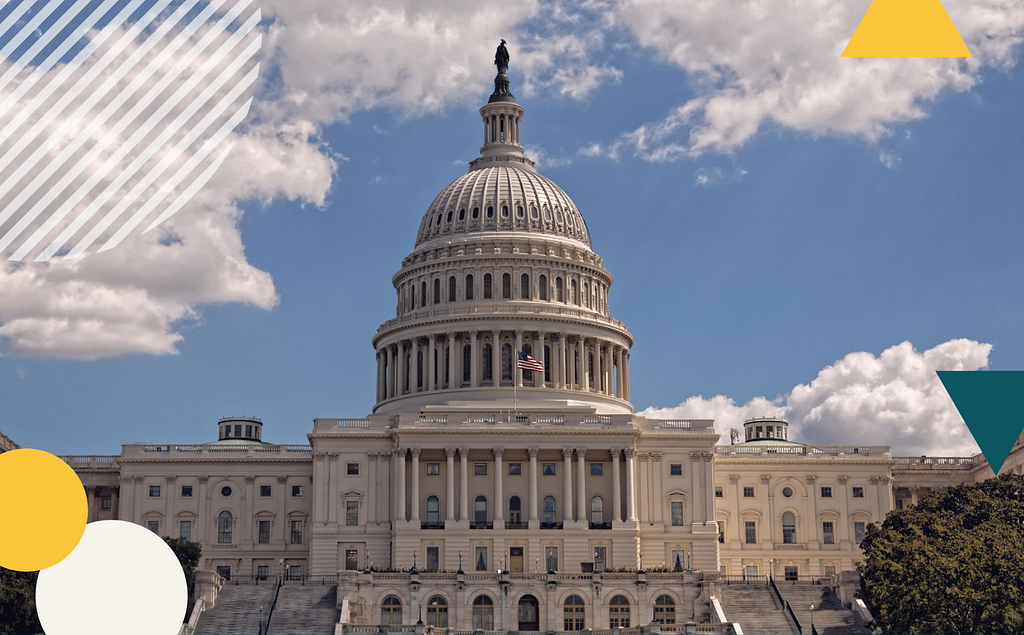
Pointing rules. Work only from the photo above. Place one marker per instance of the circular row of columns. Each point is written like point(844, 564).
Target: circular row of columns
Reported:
point(395, 370)
point(499, 496)
point(495, 125)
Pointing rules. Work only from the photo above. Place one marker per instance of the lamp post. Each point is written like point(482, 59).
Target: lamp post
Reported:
point(687, 559)
point(771, 568)
point(812, 618)
point(460, 561)
point(261, 620)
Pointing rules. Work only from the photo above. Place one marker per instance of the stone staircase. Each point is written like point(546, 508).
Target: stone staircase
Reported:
point(305, 610)
point(757, 609)
point(830, 616)
point(237, 610)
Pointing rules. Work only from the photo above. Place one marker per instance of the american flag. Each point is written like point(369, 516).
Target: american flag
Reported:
point(528, 363)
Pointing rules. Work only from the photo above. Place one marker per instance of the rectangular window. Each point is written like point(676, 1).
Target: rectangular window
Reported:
point(296, 532)
point(858, 492)
point(186, 491)
point(792, 573)
point(432, 559)
point(830, 569)
point(264, 532)
point(265, 490)
point(826, 492)
point(751, 530)
point(105, 503)
point(899, 503)
point(154, 526)
point(551, 558)
point(719, 492)
point(600, 558)
point(433, 469)
point(238, 430)
point(748, 492)
point(295, 572)
point(351, 513)
point(185, 530)
point(248, 430)
point(677, 514)
point(154, 491)
point(752, 572)
point(352, 469)
point(549, 469)
point(351, 559)
point(676, 469)
point(224, 572)
point(678, 560)
point(480, 560)
point(828, 533)
point(480, 469)
point(858, 532)
point(297, 491)
point(263, 571)
point(596, 469)
point(721, 532)
point(515, 469)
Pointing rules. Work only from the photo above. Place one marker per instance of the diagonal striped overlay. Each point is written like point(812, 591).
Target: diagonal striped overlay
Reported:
point(115, 113)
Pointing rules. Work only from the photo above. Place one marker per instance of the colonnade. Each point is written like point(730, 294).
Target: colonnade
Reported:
point(577, 492)
point(502, 128)
point(570, 361)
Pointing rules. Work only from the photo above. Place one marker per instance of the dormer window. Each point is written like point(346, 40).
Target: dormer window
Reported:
point(504, 211)
point(462, 214)
point(476, 212)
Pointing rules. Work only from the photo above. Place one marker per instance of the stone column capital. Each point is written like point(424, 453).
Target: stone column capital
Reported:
point(734, 478)
point(332, 455)
point(615, 452)
point(320, 456)
point(531, 452)
point(810, 479)
point(884, 479)
point(708, 456)
point(372, 455)
point(204, 478)
point(566, 453)
point(498, 452)
point(171, 478)
point(873, 480)
point(765, 478)
point(629, 452)
point(138, 479)
point(385, 456)
point(415, 452)
point(250, 479)
point(695, 456)
point(472, 333)
point(643, 456)
point(282, 479)
point(463, 453)
point(842, 479)
point(581, 453)
point(656, 456)
point(450, 452)
point(398, 453)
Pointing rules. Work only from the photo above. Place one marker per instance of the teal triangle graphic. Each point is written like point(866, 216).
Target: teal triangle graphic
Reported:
point(989, 402)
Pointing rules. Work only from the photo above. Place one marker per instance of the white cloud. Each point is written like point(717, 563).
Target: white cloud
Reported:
point(778, 62)
point(895, 399)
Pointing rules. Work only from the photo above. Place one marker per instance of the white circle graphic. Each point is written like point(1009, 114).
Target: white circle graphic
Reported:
point(121, 579)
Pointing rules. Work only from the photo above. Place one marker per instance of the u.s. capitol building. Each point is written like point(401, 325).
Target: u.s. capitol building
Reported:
point(478, 496)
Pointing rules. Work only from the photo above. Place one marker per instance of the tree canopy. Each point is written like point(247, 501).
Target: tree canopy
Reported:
point(18, 603)
point(953, 563)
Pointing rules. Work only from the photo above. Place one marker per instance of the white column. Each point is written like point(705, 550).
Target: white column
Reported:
point(474, 362)
point(463, 484)
point(518, 376)
point(371, 490)
point(429, 362)
point(415, 484)
point(709, 485)
point(392, 372)
point(451, 360)
point(538, 380)
point(385, 488)
point(630, 484)
point(581, 487)
point(616, 486)
point(331, 486)
point(400, 375)
point(414, 367)
point(581, 375)
point(626, 356)
point(657, 494)
point(449, 453)
point(609, 371)
point(567, 485)
point(560, 376)
point(499, 494)
point(496, 358)
point(532, 453)
point(380, 375)
point(400, 501)
point(619, 374)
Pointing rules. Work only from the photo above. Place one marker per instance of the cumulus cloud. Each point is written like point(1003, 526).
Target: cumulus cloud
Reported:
point(778, 62)
point(894, 399)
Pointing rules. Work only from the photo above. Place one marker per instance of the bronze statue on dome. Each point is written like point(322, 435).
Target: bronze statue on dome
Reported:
point(501, 57)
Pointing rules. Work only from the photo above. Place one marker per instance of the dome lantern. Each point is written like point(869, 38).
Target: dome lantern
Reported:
point(502, 117)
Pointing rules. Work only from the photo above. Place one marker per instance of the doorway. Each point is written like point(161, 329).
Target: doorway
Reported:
point(515, 559)
point(528, 614)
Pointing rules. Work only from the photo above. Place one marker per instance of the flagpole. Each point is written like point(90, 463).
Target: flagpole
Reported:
point(515, 389)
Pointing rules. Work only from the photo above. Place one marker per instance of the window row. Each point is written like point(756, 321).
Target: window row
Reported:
point(515, 510)
point(587, 294)
point(749, 491)
point(515, 469)
point(297, 491)
point(489, 215)
point(828, 532)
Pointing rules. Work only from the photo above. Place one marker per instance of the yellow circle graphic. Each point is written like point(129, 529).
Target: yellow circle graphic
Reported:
point(43, 510)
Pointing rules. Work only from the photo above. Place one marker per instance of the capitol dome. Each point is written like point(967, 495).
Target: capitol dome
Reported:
point(502, 265)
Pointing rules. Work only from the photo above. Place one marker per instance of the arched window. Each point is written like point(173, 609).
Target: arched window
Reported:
point(559, 295)
point(547, 214)
point(423, 293)
point(597, 509)
point(462, 214)
point(506, 362)
point(542, 284)
point(433, 509)
point(506, 286)
point(437, 290)
point(490, 211)
point(224, 528)
point(524, 287)
point(547, 367)
point(419, 369)
point(483, 613)
point(487, 286)
point(480, 509)
point(451, 289)
point(467, 362)
point(788, 528)
point(618, 612)
point(549, 509)
point(391, 610)
point(488, 363)
point(514, 510)
point(449, 219)
point(572, 292)
point(527, 374)
point(585, 296)
point(665, 610)
point(469, 287)
point(412, 296)
point(519, 211)
point(476, 212)
point(437, 612)
point(504, 211)
point(573, 611)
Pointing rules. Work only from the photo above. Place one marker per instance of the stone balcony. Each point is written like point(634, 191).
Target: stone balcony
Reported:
point(800, 451)
point(492, 419)
point(937, 463)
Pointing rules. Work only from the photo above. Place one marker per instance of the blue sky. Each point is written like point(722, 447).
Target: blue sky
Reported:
point(770, 268)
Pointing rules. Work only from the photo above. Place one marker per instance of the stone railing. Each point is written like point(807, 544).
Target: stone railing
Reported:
point(792, 451)
point(937, 462)
point(82, 462)
point(553, 309)
point(161, 451)
point(505, 418)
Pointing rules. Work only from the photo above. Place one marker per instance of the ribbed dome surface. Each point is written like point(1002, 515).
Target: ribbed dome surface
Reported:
point(501, 198)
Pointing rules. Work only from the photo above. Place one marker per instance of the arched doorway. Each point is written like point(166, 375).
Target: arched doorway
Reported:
point(528, 614)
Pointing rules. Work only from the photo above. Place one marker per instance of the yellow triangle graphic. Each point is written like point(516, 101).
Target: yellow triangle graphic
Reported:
point(906, 28)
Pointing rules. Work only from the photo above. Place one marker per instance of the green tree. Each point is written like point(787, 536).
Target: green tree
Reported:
point(954, 563)
point(18, 603)
point(188, 554)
